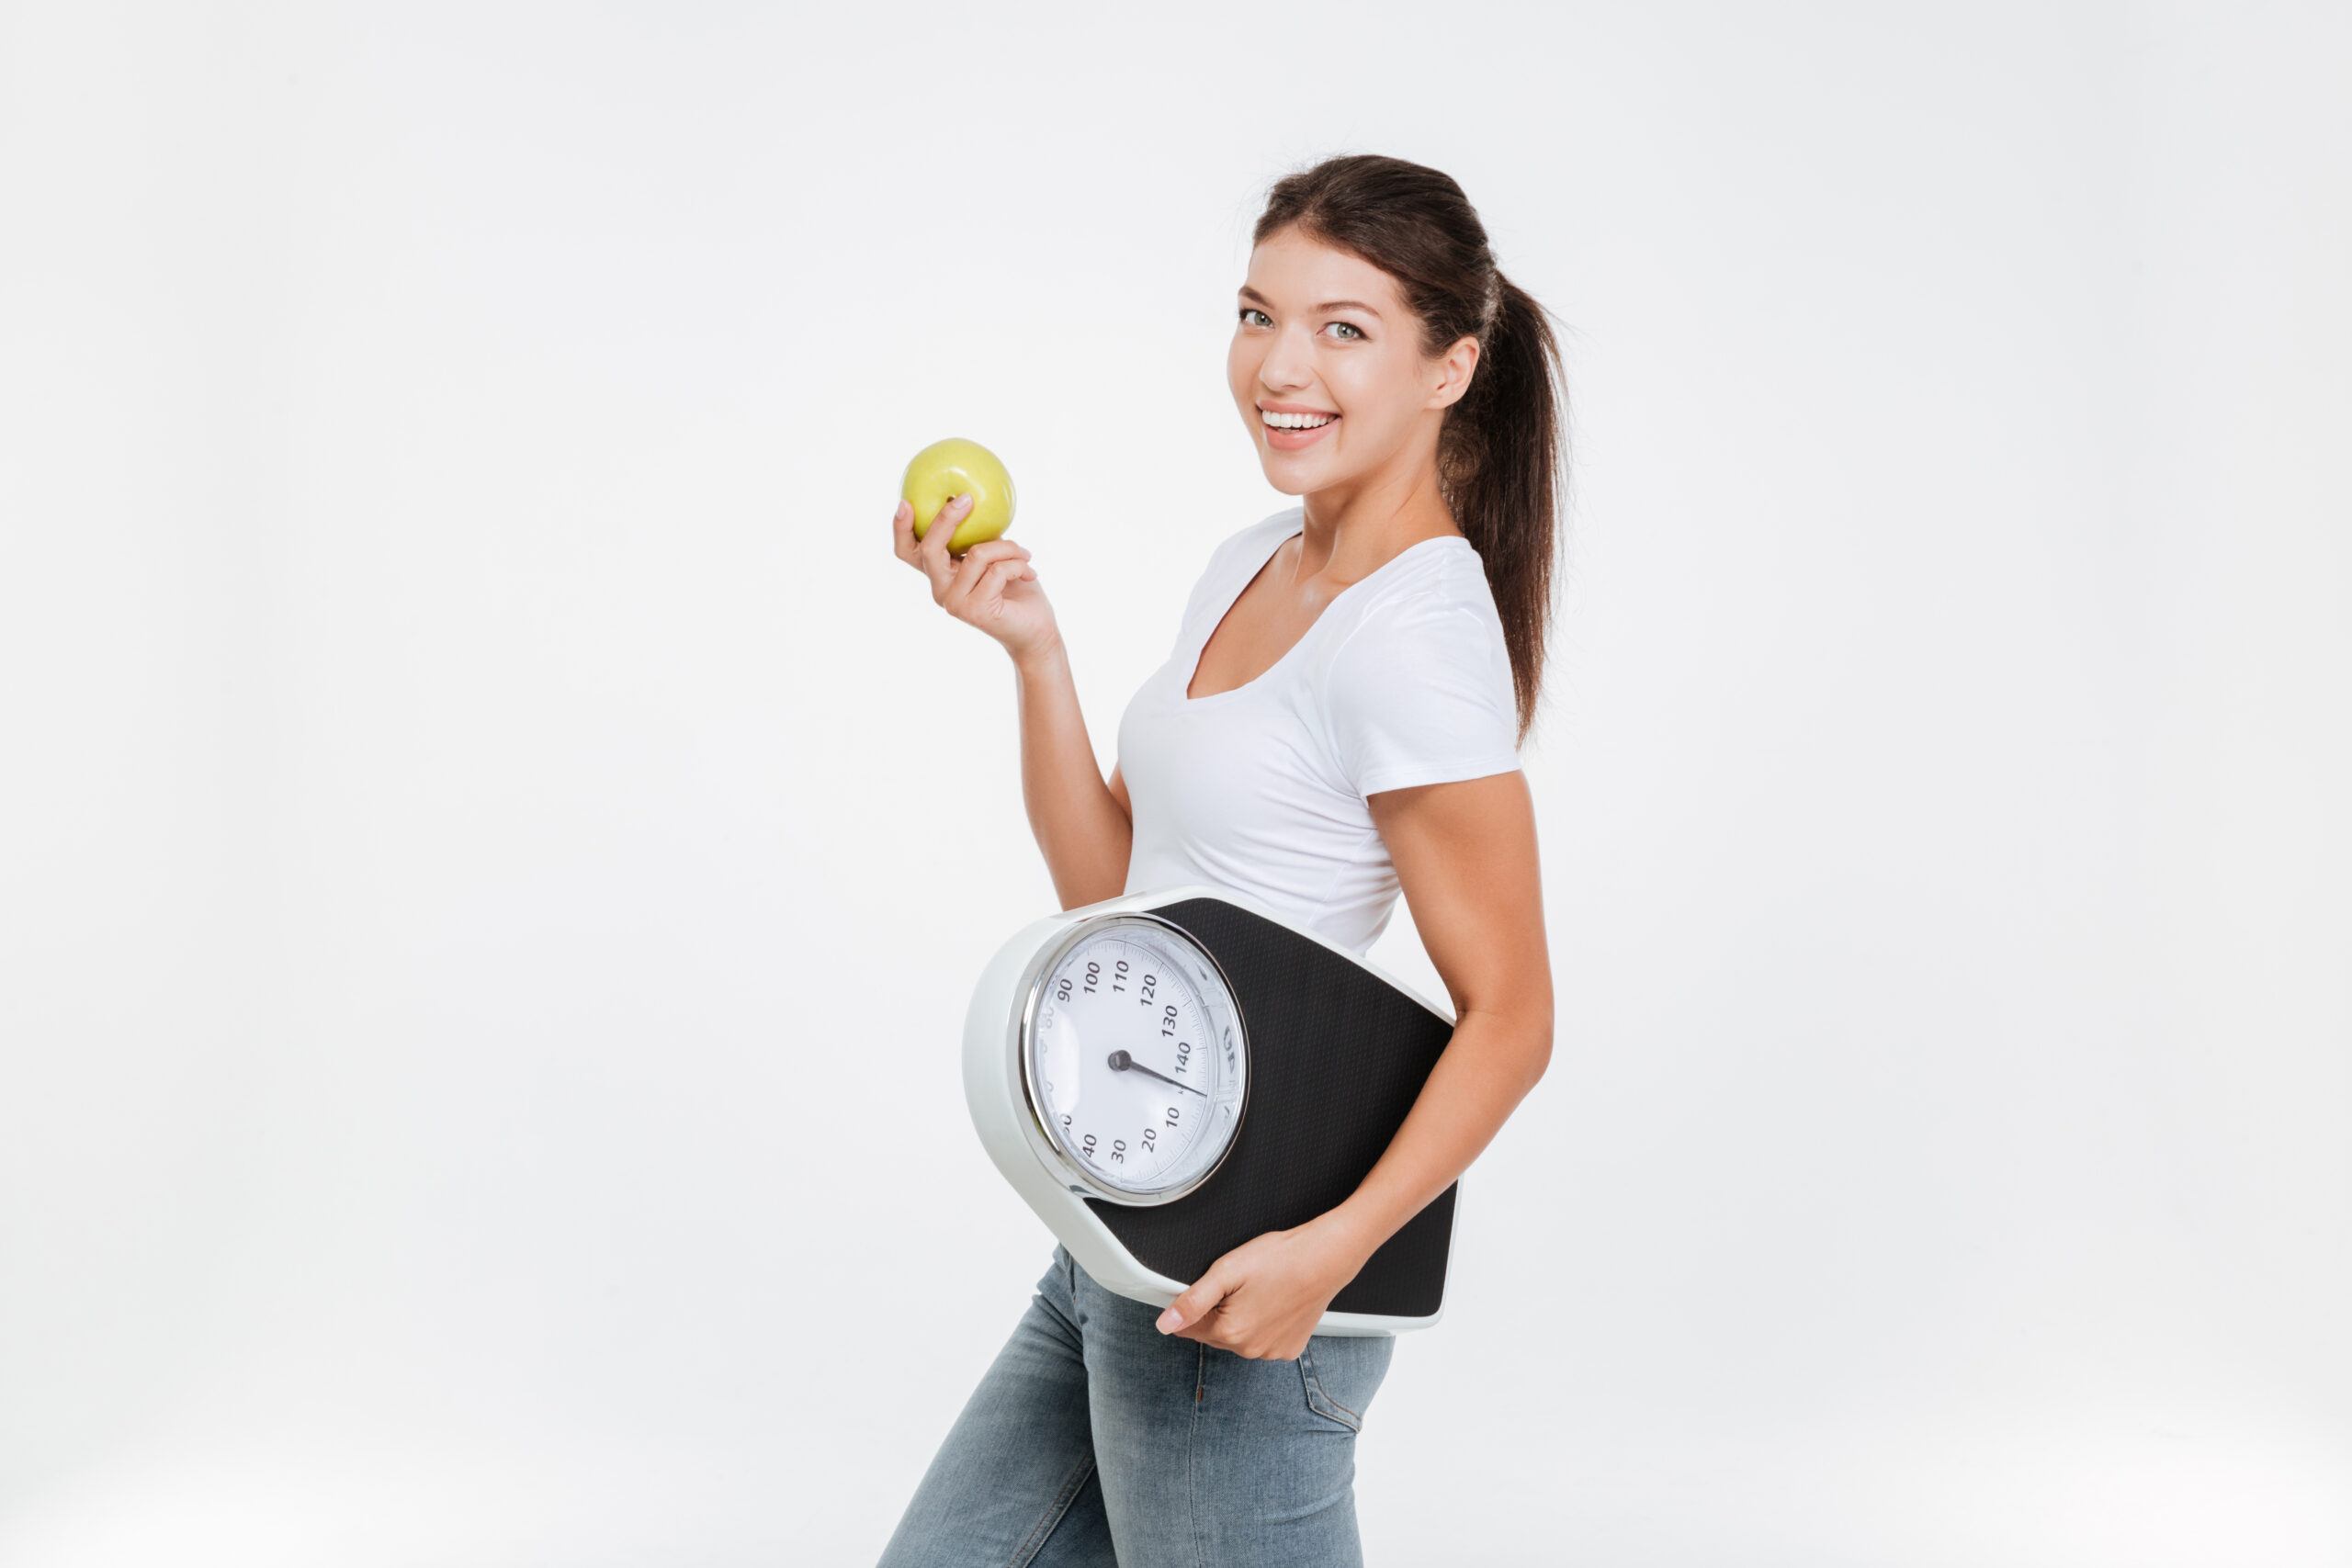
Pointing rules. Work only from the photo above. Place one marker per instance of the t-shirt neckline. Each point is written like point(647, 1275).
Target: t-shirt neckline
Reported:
point(1191, 665)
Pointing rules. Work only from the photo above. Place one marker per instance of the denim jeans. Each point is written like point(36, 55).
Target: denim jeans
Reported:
point(1096, 1439)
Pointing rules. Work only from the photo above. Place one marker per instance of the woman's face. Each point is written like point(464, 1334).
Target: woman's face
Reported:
point(1327, 370)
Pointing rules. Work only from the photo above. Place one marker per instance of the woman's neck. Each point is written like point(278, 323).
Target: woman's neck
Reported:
point(1353, 530)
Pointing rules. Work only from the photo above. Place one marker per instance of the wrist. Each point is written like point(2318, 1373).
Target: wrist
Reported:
point(1347, 1235)
point(1043, 658)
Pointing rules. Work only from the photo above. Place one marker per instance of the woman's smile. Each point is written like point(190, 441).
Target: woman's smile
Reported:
point(1291, 427)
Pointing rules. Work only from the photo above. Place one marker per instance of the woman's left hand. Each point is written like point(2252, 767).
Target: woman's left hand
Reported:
point(1264, 1298)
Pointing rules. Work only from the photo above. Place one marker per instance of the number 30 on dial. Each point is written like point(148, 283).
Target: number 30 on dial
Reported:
point(1134, 1059)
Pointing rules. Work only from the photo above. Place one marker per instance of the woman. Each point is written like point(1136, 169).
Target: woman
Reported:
point(1340, 719)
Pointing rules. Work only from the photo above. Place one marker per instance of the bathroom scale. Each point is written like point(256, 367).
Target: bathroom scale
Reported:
point(1164, 1076)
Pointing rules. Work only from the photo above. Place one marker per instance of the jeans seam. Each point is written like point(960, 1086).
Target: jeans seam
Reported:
point(1191, 1446)
point(1035, 1543)
point(1334, 1403)
point(1353, 1420)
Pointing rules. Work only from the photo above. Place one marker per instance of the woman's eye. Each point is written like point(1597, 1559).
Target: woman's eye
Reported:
point(1344, 330)
point(1255, 318)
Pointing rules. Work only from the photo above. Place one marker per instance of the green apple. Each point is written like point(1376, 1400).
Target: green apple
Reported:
point(945, 469)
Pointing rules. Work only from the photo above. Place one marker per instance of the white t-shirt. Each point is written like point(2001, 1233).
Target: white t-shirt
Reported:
point(1404, 679)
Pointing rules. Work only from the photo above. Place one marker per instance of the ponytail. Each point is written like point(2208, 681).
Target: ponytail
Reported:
point(1498, 462)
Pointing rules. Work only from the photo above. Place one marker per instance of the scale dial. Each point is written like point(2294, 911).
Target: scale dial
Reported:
point(1134, 1059)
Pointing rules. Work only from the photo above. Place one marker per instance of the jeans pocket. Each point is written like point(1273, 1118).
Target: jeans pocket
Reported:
point(1319, 1401)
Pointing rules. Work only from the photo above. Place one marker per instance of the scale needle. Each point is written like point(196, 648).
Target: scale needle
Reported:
point(1123, 1063)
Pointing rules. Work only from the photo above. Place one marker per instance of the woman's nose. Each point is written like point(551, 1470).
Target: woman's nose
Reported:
point(1289, 363)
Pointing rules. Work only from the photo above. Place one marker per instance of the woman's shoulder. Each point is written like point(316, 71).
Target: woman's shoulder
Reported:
point(1433, 583)
point(1430, 620)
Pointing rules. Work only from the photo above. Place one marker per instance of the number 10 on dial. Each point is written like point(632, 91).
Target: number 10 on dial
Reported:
point(1134, 1059)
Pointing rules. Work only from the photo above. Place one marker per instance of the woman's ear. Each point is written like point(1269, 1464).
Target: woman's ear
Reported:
point(1454, 367)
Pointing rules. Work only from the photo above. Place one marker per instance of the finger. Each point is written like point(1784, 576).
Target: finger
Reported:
point(984, 556)
point(943, 527)
point(1195, 1303)
point(977, 586)
point(989, 550)
point(1217, 1329)
point(902, 534)
point(984, 553)
point(932, 554)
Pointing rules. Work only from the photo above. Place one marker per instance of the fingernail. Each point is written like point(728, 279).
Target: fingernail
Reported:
point(1169, 1322)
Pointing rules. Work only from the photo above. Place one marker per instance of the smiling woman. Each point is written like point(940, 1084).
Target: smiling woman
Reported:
point(1337, 722)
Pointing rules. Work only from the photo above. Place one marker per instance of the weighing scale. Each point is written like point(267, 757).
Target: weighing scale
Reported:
point(1164, 1076)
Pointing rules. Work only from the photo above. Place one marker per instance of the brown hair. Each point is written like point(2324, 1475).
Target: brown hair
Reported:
point(1502, 451)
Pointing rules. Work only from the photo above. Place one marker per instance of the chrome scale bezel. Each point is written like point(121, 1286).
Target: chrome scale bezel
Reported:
point(1046, 1138)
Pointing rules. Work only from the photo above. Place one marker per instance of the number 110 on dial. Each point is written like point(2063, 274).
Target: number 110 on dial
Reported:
point(1134, 1060)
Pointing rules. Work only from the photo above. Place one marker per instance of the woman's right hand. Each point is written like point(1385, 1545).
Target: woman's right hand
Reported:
point(990, 586)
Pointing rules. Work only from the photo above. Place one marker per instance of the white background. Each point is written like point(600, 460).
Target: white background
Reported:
point(496, 849)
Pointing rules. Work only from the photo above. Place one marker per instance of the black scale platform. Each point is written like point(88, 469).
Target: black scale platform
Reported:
point(1336, 1057)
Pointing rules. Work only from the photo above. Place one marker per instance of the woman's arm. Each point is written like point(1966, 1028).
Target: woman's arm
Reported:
point(1084, 826)
point(1082, 823)
point(1465, 858)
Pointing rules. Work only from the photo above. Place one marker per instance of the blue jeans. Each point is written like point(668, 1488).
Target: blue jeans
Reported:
point(1096, 1439)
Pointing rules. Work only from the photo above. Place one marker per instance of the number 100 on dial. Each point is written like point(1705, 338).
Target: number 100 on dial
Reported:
point(1134, 1059)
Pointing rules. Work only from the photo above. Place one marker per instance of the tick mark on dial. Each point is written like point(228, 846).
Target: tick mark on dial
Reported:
point(1123, 1063)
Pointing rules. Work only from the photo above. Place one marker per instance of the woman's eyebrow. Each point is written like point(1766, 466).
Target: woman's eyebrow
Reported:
point(1257, 299)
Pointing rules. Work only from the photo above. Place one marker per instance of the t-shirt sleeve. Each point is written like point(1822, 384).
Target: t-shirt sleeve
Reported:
point(1421, 694)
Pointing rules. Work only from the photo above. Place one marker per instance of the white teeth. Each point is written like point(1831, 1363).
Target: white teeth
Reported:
point(1296, 421)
